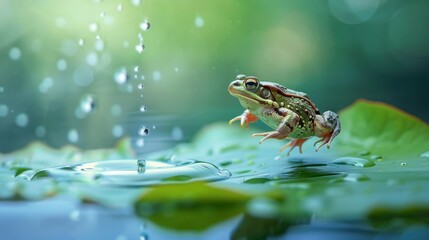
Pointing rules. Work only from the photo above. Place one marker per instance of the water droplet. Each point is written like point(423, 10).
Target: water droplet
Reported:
point(73, 136)
point(93, 27)
point(143, 108)
point(4, 110)
point(122, 76)
point(102, 14)
point(277, 157)
point(136, 2)
point(40, 131)
point(120, 7)
point(140, 47)
point(83, 76)
point(126, 44)
point(425, 154)
point(176, 69)
point(1, 89)
point(145, 25)
point(140, 86)
point(376, 157)
point(15, 53)
point(92, 58)
point(117, 131)
point(177, 133)
point(81, 41)
point(116, 110)
point(21, 120)
point(46, 84)
point(140, 37)
point(99, 44)
point(358, 162)
point(141, 165)
point(355, 177)
point(199, 22)
point(136, 69)
point(140, 142)
point(403, 164)
point(61, 65)
point(87, 103)
point(156, 75)
point(124, 172)
point(143, 131)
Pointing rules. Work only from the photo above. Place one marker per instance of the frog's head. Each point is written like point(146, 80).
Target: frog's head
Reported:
point(249, 91)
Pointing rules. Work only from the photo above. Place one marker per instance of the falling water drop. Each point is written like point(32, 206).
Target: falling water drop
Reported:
point(143, 131)
point(93, 27)
point(145, 25)
point(141, 165)
point(143, 108)
point(136, 2)
point(140, 142)
point(87, 103)
point(81, 41)
point(122, 76)
point(140, 47)
point(140, 86)
point(120, 7)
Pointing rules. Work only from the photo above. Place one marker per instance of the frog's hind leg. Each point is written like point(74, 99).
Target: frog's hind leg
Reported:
point(294, 143)
point(285, 128)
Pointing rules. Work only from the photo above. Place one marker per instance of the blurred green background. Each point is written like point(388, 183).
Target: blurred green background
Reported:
point(68, 68)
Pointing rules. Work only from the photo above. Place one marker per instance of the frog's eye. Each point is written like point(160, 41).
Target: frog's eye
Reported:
point(251, 84)
point(265, 93)
point(240, 77)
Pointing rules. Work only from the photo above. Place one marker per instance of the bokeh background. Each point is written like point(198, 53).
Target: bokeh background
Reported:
point(89, 72)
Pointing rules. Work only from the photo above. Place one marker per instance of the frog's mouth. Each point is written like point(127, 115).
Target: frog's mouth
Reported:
point(245, 95)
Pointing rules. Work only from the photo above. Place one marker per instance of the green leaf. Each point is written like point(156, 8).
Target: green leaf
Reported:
point(192, 206)
point(382, 129)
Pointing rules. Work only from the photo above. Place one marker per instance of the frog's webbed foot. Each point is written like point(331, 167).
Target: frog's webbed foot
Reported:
point(273, 134)
point(324, 141)
point(294, 143)
point(245, 118)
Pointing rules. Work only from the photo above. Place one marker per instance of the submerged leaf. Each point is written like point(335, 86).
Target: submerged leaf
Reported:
point(193, 206)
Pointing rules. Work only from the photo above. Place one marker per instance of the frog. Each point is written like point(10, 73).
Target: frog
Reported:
point(292, 114)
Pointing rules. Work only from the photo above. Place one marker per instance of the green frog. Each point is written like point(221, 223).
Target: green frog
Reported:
point(291, 113)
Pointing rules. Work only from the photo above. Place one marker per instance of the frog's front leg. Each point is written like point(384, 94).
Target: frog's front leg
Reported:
point(245, 118)
point(284, 129)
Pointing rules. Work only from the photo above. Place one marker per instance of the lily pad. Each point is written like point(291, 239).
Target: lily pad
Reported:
point(341, 183)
